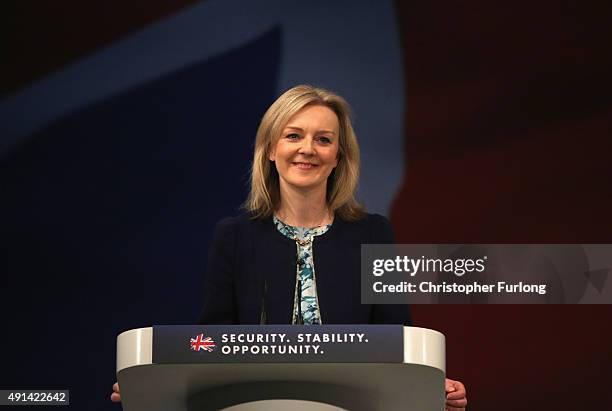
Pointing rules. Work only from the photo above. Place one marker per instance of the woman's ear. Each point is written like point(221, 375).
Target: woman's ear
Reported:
point(271, 152)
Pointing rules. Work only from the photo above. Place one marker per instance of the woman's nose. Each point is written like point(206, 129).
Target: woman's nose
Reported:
point(307, 146)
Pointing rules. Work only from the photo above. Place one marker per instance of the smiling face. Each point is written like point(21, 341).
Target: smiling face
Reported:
point(307, 150)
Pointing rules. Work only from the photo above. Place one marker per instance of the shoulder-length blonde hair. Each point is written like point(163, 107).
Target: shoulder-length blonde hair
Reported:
point(264, 197)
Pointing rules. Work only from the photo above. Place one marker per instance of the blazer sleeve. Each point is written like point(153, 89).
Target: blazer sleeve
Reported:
point(382, 233)
point(219, 289)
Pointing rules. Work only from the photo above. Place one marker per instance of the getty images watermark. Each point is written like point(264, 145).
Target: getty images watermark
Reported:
point(486, 274)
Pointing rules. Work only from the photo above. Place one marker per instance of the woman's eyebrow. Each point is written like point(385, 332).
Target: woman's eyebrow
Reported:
point(318, 132)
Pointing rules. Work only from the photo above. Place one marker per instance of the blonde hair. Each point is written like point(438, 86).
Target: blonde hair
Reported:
point(264, 197)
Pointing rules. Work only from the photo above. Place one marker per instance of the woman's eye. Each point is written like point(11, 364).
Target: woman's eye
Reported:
point(325, 140)
point(293, 136)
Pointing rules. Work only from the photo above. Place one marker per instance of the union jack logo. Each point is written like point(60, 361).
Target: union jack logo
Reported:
point(202, 343)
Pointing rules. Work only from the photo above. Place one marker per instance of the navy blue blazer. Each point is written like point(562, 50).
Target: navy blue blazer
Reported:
point(252, 268)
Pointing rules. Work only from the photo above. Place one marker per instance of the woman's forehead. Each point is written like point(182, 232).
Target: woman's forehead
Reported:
point(319, 117)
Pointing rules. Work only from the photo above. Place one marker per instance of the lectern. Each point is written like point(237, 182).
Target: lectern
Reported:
point(269, 367)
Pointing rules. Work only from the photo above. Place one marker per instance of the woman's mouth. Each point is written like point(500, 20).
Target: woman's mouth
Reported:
point(304, 166)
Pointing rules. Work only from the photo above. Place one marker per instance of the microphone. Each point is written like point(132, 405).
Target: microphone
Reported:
point(263, 316)
point(300, 317)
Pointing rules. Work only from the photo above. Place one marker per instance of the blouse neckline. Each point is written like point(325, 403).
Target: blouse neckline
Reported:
point(299, 233)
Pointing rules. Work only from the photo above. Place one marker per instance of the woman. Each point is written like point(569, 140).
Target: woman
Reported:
point(294, 257)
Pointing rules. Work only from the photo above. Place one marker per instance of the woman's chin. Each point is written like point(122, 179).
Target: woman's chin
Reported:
point(306, 184)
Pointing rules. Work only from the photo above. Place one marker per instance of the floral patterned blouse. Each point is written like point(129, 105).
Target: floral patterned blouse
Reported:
point(308, 305)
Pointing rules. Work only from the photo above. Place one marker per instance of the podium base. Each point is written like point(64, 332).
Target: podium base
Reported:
point(349, 386)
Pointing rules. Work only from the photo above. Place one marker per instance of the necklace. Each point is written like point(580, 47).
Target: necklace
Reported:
point(302, 242)
point(319, 224)
point(301, 235)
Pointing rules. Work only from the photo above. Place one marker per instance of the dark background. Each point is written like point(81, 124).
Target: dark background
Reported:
point(105, 220)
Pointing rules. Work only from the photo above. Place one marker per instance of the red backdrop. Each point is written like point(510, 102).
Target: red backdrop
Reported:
point(508, 140)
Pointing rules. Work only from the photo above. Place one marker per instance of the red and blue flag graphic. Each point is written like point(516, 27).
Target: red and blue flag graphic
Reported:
point(202, 343)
